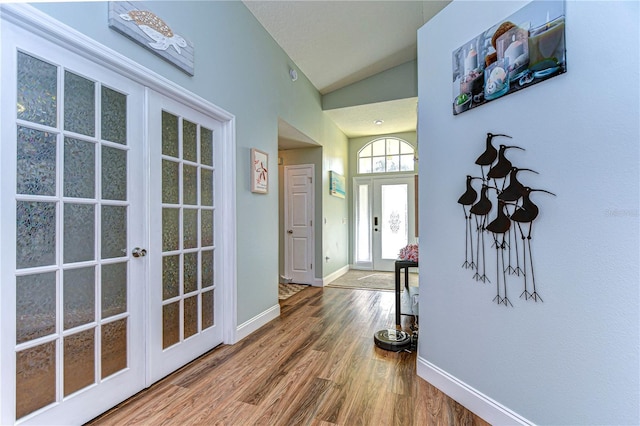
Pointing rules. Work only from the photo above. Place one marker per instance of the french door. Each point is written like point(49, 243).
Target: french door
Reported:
point(384, 209)
point(110, 262)
point(186, 304)
point(72, 211)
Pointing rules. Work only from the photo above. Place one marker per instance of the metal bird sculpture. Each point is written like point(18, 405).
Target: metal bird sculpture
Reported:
point(480, 210)
point(525, 214)
point(515, 214)
point(502, 167)
point(467, 199)
point(490, 153)
point(513, 192)
point(499, 226)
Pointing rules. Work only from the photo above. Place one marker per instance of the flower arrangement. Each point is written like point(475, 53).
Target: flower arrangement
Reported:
point(410, 253)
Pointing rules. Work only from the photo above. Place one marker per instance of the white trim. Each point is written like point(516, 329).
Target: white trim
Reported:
point(335, 275)
point(318, 282)
point(253, 324)
point(227, 206)
point(45, 26)
point(472, 399)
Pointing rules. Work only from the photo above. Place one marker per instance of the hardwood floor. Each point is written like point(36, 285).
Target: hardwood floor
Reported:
point(315, 365)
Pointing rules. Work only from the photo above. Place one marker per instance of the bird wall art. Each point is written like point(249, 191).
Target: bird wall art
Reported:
point(500, 206)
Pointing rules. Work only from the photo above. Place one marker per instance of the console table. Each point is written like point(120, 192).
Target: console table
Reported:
point(400, 265)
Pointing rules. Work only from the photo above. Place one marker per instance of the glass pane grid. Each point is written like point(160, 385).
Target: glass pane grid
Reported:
point(80, 95)
point(59, 207)
point(37, 90)
point(191, 230)
point(386, 156)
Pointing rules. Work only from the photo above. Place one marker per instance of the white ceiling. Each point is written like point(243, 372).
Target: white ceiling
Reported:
point(336, 43)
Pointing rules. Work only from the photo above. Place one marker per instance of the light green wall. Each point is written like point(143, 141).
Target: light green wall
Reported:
point(239, 67)
point(400, 82)
point(335, 220)
point(355, 145)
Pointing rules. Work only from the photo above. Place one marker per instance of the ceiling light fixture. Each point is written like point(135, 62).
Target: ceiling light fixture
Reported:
point(378, 122)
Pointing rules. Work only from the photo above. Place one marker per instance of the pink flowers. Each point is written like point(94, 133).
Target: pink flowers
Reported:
point(410, 253)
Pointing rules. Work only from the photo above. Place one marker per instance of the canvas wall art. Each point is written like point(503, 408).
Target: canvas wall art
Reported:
point(520, 51)
point(336, 184)
point(259, 171)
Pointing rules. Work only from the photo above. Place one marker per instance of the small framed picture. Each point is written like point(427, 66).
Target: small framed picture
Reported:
point(259, 171)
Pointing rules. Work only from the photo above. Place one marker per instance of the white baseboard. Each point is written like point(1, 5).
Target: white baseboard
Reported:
point(248, 327)
point(317, 282)
point(472, 399)
point(334, 276)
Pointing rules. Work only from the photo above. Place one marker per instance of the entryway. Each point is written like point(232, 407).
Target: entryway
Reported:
point(384, 210)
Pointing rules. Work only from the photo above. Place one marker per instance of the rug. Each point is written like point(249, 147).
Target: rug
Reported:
point(375, 280)
point(285, 291)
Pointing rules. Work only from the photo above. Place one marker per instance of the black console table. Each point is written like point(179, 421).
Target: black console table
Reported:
point(402, 264)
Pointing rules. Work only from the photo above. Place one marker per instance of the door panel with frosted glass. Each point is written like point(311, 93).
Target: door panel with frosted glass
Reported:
point(385, 216)
point(67, 291)
point(186, 307)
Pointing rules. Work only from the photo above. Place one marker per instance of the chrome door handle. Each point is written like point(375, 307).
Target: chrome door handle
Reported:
point(138, 252)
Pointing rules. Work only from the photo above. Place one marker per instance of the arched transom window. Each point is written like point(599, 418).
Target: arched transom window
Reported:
point(386, 155)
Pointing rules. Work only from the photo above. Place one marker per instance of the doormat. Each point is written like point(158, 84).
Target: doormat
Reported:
point(372, 280)
point(285, 291)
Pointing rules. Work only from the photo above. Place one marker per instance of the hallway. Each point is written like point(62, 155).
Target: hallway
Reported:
point(316, 364)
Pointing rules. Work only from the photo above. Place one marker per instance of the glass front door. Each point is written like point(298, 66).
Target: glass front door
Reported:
point(384, 220)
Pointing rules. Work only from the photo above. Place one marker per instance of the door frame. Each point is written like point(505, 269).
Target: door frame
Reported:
point(311, 244)
point(42, 25)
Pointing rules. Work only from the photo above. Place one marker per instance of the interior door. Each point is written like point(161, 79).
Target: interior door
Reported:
point(185, 289)
point(71, 213)
point(299, 210)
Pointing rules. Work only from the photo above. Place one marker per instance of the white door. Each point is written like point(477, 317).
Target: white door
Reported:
point(384, 209)
point(298, 220)
point(186, 302)
point(72, 211)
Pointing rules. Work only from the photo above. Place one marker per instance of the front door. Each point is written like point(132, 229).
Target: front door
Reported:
point(384, 210)
point(298, 220)
point(185, 283)
point(72, 212)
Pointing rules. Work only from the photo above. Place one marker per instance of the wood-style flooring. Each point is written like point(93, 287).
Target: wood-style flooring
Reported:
point(315, 365)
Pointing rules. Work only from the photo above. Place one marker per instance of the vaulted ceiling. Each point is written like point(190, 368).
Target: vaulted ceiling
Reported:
point(337, 43)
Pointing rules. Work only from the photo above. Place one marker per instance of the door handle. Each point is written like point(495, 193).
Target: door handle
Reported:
point(289, 231)
point(375, 221)
point(138, 252)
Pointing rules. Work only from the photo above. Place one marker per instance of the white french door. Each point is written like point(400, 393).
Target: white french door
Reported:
point(384, 209)
point(186, 303)
point(72, 200)
point(111, 262)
